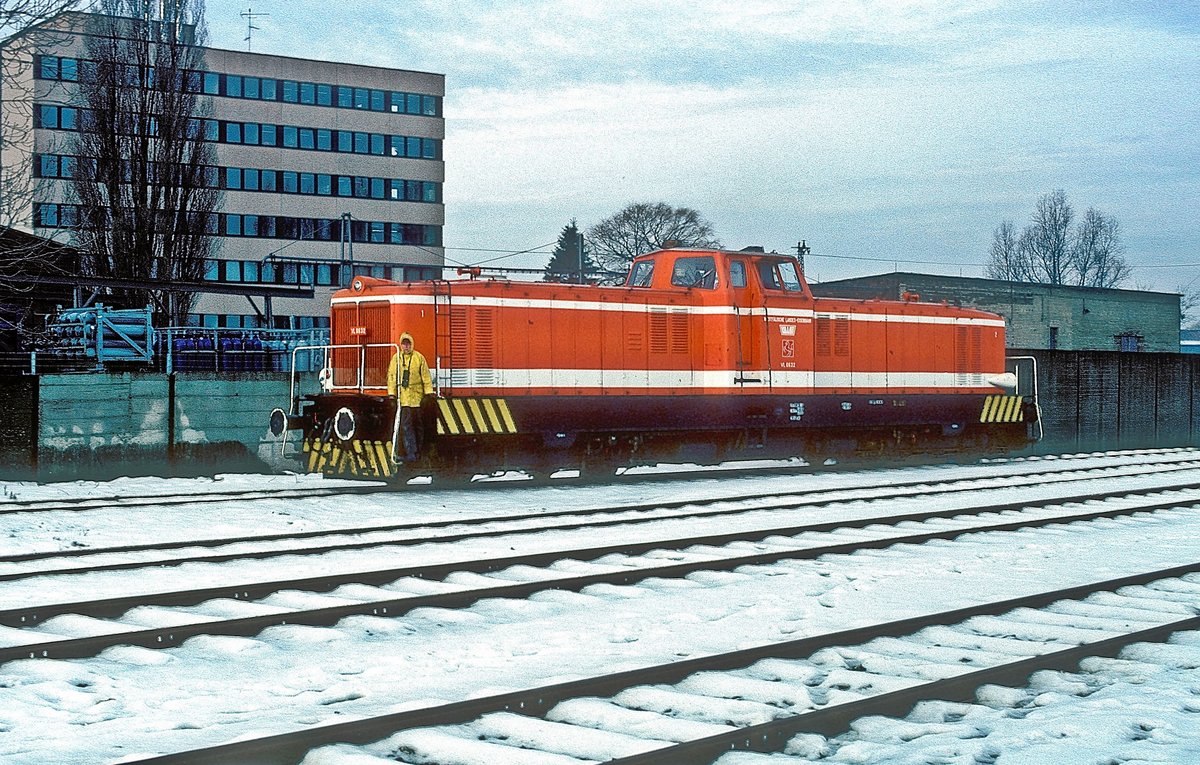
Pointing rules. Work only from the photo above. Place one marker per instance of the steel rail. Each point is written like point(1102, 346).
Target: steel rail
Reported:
point(367, 486)
point(809, 500)
point(167, 637)
point(831, 721)
point(290, 748)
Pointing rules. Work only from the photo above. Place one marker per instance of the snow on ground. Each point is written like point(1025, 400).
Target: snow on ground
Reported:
point(1141, 707)
point(27, 532)
point(132, 701)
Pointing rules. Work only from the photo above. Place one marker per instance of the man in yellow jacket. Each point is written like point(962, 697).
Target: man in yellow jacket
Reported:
point(408, 379)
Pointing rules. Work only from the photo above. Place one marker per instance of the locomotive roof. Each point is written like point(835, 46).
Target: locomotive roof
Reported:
point(362, 286)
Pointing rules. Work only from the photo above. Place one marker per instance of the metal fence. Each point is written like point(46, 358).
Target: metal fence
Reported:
point(180, 349)
point(189, 349)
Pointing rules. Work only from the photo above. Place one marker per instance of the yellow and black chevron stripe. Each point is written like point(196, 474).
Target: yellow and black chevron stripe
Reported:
point(366, 459)
point(1002, 409)
point(468, 416)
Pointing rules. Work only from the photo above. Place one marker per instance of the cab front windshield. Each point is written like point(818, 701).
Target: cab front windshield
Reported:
point(641, 274)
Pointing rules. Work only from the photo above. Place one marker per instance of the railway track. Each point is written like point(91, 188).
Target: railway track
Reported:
point(694, 711)
point(165, 619)
point(484, 483)
point(844, 533)
point(261, 546)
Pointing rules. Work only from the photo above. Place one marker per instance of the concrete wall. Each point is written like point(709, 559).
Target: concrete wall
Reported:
point(18, 426)
point(1106, 400)
point(109, 424)
point(193, 423)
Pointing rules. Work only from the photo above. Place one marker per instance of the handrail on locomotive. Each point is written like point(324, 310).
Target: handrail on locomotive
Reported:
point(281, 422)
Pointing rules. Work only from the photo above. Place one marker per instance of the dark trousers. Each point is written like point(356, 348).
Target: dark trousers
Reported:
point(410, 423)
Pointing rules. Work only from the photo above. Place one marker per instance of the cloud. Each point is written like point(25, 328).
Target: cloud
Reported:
point(857, 124)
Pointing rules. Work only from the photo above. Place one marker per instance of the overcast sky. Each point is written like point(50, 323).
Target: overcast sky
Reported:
point(891, 135)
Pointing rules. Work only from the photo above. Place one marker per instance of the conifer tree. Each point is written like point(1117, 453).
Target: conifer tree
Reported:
point(564, 263)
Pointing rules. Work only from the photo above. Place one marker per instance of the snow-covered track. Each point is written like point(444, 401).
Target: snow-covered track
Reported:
point(369, 487)
point(757, 699)
point(276, 545)
point(538, 572)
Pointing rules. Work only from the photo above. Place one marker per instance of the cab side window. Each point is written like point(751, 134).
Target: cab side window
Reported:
point(695, 272)
point(737, 273)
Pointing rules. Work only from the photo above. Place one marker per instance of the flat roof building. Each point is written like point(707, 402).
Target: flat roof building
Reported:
point(321, 163)
point(1039, 315)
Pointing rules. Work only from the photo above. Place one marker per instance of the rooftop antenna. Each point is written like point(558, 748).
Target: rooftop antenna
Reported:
point(249, 15)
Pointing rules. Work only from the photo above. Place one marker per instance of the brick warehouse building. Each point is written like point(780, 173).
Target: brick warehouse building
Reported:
point(1046, 316)
point(301, 147)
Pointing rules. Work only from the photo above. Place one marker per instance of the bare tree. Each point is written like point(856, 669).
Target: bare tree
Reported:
point(1050, 251)
point(1007, 260)
point(1097, 255)
point(1189, 306)
point(16, 15)
point(143, 201)
point(1047, 239)
point(23, 32)
point(24, 259)
point(642, 227)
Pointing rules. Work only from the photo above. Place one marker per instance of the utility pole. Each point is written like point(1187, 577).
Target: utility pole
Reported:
point(802, 249)
point(347, 253)
point(579, 252)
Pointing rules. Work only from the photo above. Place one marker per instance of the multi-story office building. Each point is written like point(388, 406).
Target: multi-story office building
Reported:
point(326, 167)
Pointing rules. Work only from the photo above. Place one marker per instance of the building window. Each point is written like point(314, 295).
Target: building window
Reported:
point(1053, 341)
point(1130, 342)
point(55, 117)
point(47, 165)
point(47, 215)
point(48, 67)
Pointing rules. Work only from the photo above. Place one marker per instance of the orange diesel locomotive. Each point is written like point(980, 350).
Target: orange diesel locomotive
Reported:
point(701, 354)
